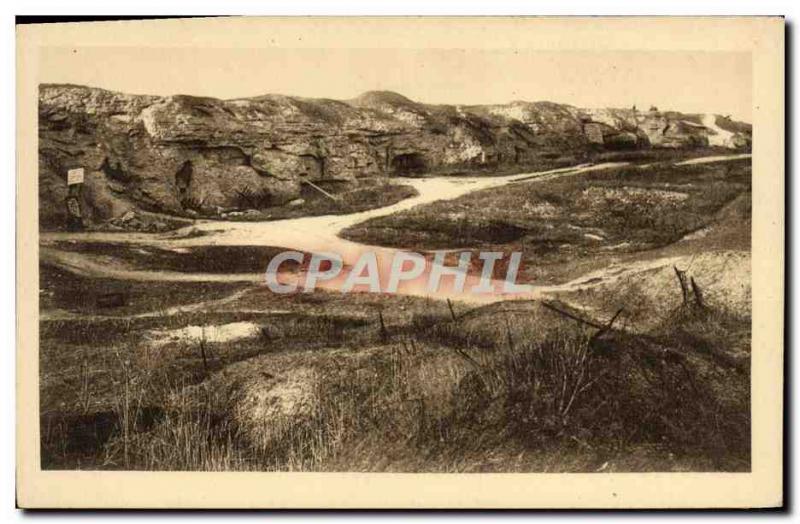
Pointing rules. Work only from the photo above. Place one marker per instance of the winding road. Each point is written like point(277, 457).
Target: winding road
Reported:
point(318, 234)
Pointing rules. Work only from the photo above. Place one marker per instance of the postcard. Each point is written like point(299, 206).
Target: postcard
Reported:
point(400, 263)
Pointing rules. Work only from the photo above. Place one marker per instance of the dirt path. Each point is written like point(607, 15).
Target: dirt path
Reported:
point(202, 305)
point(709, 159)
point(320, 234)
point(308, 233)
point(98, 267)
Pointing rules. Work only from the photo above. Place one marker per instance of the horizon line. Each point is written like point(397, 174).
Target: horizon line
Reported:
point(387, 91)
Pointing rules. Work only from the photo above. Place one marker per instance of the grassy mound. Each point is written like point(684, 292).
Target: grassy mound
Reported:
point(508, 387)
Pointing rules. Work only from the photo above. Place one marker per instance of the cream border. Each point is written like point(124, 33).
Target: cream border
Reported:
point(763, 37)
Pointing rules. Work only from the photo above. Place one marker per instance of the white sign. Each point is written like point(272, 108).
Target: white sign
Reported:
point(75, 176)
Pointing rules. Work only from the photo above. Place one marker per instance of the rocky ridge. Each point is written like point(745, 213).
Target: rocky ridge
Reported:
point(195, 156)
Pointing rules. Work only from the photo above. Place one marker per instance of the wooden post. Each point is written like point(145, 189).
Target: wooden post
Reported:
point(73, 201)
point(567, 314)
point(203, 350)
point(315, 186)
point(508, 335)
point(611, 322)
point(452, 312)
point(683, 282)
point(384, 331)
point(698, 295)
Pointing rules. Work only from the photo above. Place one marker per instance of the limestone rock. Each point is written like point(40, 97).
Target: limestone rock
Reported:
point(196, 156)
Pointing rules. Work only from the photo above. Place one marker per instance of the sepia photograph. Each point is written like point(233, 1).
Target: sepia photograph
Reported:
point(400, 259)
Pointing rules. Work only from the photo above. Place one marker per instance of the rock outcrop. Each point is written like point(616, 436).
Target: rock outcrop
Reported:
point(189, 156)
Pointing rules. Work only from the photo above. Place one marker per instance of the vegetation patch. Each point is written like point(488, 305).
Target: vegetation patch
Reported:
point(571, 218)
point(192, 259)
point(366, 195)
point(507, 387)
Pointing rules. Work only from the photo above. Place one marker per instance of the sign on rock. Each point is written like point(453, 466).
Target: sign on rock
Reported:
point(75, 176)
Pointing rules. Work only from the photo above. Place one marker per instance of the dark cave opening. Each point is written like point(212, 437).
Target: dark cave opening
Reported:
point(114, 171)
point(183, 177)
point(409, 163)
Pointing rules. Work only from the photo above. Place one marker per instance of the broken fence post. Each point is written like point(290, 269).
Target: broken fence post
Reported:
point(684, 284)
point(315, 186)
point(692, 295)
point(698, 295)
point(508, 335)
point(203, 350)
point(384, 331)
point(576, 318)
point(452, 312)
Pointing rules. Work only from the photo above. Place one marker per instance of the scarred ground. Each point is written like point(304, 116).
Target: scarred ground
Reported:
point(223, 374)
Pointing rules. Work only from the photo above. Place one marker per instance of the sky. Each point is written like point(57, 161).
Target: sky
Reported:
point(691, 82)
